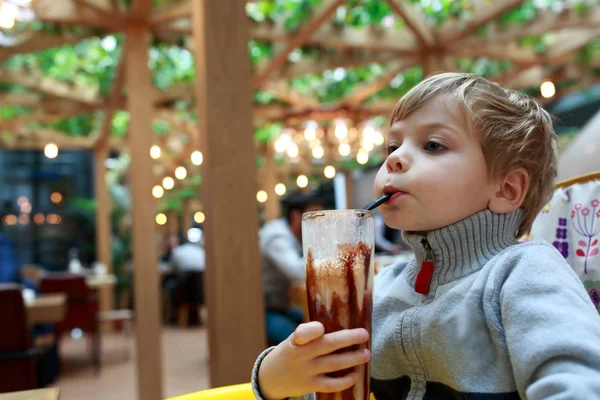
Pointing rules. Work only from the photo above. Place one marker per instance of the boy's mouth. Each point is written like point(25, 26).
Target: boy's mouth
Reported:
point(394, 191)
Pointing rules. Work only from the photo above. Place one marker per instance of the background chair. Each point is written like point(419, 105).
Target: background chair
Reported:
point(571, 222)
point(82, 308)
point(17, 354)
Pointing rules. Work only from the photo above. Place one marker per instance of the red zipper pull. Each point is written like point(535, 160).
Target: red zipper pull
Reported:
point(424, 276)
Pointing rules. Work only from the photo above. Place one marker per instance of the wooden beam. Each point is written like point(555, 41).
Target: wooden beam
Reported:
point(38, 42)
point(519, 55)
point(148, 336)
point(70, 12)
point(223, 83)
point(321, 14)
point(415, 21)
point(568, 42)
point(113, 100)
point(171, 11)
point(342, 59)
point(484, 11)
point(545, 22)
point(282, 90)
point(364, 91)
point(35, 80)
point(140, 10)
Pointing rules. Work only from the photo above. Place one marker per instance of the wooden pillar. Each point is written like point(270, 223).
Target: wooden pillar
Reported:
point(139, 103)
point(236, 327)
point(103, 228)
point(272, 206)
point(349, 190)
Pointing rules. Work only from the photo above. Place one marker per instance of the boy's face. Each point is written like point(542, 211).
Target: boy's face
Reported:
point(436, 166)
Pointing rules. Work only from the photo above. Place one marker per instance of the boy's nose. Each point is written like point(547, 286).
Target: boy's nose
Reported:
point(394, 165)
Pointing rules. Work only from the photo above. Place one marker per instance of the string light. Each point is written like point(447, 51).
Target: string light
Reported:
point(10, 220)
point(378, 138)
point(7, 17)
point(161, 219)
point(362, 157)
point(318, 152)
point(199, 217)
point(158, 192)
point(180, 173)
point(197, 158)
point(310, 133)
point(292, 150)
point(329, 172)
point(282, 143)
point(344, 149)
point(155, 152)
point(22, 200)
point(302, 181)
point(39, 218)
point(51, 150)
point(341, 130)
point(168, 182)
point(280, 189)
point(55, 198)
point(262, 196)
point(547, 89)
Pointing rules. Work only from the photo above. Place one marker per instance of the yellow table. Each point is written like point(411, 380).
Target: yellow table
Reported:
point(41, 394)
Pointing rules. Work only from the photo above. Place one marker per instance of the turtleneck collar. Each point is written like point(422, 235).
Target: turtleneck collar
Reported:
point(464, 247)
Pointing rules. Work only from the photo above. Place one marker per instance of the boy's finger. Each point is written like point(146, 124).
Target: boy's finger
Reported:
point(340, 340)
point(306, 333)
point(338, 362)
point(325, 384)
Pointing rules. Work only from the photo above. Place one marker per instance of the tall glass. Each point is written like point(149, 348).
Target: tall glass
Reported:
point(338, 249)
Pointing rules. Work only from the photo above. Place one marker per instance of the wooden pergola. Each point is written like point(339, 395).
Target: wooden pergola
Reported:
point(217, 33)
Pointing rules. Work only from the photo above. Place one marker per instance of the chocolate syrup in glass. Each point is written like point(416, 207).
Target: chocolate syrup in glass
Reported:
point(342, 314)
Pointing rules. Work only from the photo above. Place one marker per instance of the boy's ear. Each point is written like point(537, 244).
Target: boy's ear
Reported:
point(510, 192)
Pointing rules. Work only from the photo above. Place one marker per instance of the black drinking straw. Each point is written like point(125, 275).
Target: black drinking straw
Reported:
point(377, 202)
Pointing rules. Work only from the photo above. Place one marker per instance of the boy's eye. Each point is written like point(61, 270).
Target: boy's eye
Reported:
point(391, 148)
point(433, 146)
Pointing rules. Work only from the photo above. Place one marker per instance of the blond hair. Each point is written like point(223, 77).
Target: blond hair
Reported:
point(515, 131)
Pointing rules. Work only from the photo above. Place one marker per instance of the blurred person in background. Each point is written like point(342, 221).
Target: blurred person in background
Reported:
point(280, 243)
point(189, 261)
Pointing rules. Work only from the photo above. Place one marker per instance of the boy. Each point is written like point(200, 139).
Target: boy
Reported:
point(470, 165)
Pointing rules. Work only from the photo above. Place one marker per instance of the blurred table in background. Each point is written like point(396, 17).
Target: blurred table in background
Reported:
point(46, 308)
point(40, 394)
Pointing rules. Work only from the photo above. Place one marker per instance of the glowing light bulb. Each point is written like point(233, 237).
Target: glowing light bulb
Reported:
point(55, 198)
point(7, 17)
point(341, 130)
point(155, 152)
point(282, 143)
point(344, 149)
point(161, 219)
point(292, 150)
point(362, 157)
point(158, 192)
point(51, 150)
point(378, 138)
point(180, 173)
point(199, 217)
point(547, 89)
point(329, 172)
point(302, 181)
point(318, 152)
point(262, 196)
point(280, 189)
point(168, 182)
point(197, 158)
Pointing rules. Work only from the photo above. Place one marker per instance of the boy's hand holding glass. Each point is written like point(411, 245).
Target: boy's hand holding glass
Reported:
point(300, 364)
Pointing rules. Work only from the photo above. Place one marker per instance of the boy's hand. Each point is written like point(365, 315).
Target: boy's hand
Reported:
point(299, 364)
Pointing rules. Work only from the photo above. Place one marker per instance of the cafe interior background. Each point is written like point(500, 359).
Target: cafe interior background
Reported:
point(126, 125)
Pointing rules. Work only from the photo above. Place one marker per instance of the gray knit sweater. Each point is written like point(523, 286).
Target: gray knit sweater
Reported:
point(502, 320)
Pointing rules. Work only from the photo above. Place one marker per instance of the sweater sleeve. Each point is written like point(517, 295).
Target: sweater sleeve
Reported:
point(551, 328)
point(256, 387)
point(283, 254)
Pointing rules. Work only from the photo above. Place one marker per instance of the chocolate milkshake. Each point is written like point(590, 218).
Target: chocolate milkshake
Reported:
point(338, 247)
